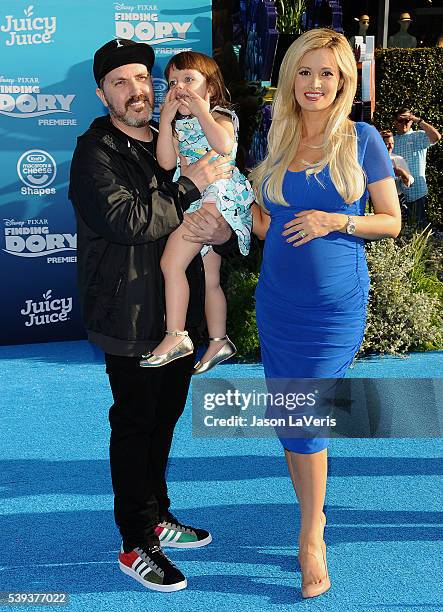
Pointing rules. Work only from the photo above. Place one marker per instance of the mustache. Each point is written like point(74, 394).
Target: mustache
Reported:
point(141, 98)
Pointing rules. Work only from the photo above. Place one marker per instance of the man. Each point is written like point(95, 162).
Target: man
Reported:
point(125, 207)
point(412, 146)
point(403, 176)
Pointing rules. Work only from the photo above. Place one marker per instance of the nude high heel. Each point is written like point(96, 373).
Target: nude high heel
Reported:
point(314, 589)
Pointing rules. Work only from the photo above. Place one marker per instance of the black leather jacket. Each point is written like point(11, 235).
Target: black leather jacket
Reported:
point(126, 206)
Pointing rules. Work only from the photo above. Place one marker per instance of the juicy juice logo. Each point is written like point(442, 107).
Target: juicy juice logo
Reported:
point(47, 311)
point(29, 30)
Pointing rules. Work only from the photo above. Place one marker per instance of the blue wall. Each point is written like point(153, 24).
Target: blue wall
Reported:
point(47, 98)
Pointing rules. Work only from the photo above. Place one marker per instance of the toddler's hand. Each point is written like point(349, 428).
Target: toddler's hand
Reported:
point(196, 104)
point(169, 108)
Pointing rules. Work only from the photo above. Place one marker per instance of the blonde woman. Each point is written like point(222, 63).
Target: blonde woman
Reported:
point(311, 297)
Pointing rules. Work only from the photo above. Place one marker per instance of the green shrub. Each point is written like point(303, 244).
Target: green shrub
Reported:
point(241, 313)
point(414, 78)
point(426, 252)
point(290, 16)
point(404, 312)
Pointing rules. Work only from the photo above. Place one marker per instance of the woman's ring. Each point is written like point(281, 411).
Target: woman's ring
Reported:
point(301, 233)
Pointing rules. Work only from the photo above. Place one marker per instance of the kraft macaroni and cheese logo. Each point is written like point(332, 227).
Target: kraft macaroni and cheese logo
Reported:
point(46, 311)
point(29, 29)
point(36, 168)
point(160, 87)
point(147, 27)
point(21, 98)
point(160, 90)
point(33, 238)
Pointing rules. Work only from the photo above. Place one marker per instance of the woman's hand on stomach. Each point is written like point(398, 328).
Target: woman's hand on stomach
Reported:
point(310, 224)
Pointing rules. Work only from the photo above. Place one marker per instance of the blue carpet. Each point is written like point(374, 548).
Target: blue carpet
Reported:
point(56, 520)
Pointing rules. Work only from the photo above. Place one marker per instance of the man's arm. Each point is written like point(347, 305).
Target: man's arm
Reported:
point(401, 169)
point(433, 134)
point(430, 131)
point(114, 208)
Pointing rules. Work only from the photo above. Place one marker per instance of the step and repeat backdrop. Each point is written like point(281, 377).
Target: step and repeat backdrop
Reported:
point(47, 99)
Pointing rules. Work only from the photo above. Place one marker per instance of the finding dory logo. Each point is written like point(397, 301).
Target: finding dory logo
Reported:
point(146, 27)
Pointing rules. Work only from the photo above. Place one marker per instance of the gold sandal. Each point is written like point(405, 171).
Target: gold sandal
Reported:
point(184, 348)
point(225, 352)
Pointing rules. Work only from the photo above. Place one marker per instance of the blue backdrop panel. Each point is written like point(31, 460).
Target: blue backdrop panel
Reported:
point(47, 98)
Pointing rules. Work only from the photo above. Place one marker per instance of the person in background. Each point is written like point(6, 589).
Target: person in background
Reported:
point(403, 176)
point(412, 145)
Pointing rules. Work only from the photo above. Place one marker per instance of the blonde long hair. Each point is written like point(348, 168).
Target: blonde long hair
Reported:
point(340, 137)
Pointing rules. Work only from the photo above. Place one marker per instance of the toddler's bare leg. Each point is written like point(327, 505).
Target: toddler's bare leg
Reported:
point(177, 256)
point(215, 301)
point(215, 304)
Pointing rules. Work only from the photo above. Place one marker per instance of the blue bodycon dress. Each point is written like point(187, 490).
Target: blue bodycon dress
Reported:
point(311, 300)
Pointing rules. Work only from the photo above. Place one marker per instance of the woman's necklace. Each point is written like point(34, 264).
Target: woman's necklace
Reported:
point(309, 146)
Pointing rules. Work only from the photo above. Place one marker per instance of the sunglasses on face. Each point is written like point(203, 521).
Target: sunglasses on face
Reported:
point(404, 121)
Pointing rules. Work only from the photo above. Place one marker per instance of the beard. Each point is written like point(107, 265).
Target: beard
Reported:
point(129, 116)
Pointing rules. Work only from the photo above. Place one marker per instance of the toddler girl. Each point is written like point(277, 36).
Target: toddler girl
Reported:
point(204, 122)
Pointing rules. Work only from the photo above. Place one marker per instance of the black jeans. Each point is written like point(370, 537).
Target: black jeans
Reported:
point(147, 405)
point(417, 214)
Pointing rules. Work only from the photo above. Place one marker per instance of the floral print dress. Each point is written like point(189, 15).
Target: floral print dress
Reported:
point(233, 196)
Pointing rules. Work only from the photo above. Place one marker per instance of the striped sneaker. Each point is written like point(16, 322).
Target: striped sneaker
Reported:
point(152, 568)
point(176, 535)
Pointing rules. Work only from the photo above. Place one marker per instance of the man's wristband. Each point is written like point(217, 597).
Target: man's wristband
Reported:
point(419, 122)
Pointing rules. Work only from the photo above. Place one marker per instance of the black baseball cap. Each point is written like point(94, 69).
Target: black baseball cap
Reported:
point(118, 52)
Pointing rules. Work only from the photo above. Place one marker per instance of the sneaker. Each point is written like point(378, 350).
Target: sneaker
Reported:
point(176, 535)
point(152, 568)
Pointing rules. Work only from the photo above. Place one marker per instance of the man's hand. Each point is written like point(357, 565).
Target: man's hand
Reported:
point(205, 228)
point(405, 178)
point(401, 173)
point(410, 117)
point(204, 171)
